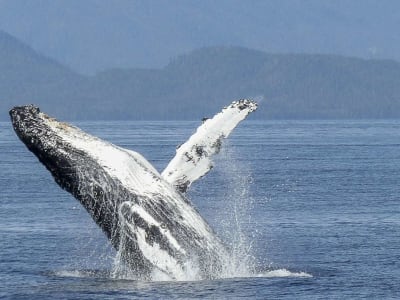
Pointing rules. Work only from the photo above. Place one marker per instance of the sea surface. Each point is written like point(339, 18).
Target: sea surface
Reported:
point(312, 206)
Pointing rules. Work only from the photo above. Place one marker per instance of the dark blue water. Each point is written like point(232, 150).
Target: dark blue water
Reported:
point(318, 197)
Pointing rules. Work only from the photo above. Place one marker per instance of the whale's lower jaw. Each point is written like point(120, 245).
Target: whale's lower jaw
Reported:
point(154, 227)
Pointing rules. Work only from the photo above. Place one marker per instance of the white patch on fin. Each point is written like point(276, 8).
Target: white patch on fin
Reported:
point(193, 158)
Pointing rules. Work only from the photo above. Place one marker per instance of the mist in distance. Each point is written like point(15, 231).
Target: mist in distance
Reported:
point(184, 59)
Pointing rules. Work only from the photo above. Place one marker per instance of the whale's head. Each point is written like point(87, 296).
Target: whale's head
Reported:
point(70, 155)
point(28, 124)
point(38, 132)
point(47, 139)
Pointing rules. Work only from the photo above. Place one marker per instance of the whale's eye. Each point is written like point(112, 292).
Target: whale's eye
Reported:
point(97, 192)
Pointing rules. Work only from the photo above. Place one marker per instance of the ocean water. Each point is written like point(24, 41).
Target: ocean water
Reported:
point(311, 210)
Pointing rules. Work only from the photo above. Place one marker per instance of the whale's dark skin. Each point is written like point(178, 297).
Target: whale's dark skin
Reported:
point(105, 198)
point(66, 172)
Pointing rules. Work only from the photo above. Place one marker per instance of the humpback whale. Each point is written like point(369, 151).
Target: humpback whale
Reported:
point(146, 215)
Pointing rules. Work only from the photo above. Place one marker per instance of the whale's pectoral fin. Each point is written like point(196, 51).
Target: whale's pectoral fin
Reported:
point(193, 158)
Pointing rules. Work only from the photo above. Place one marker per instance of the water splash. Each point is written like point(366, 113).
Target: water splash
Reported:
point(235, 226)
point(236, 217)
point(236, 223)
point(119, 268)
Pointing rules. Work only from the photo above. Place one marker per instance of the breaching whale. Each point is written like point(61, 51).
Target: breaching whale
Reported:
point(145, 215)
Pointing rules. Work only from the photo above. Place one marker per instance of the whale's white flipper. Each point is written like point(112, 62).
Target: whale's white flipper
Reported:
point(193, 158)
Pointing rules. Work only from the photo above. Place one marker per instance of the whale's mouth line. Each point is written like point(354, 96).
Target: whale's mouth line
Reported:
point(155, 229)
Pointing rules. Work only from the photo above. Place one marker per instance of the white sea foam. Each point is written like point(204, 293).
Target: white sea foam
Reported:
point(158, 276)
point(75, 273)
point(283, 273)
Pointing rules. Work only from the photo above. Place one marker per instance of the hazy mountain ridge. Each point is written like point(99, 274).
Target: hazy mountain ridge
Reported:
point(93, 35)
point(198, 83)
point(29, 77)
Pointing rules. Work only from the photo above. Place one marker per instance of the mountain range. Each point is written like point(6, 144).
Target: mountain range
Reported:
point(198, 83)
point(91, 36)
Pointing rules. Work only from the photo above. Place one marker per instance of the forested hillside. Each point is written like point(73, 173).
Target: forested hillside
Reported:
point(197, 84)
